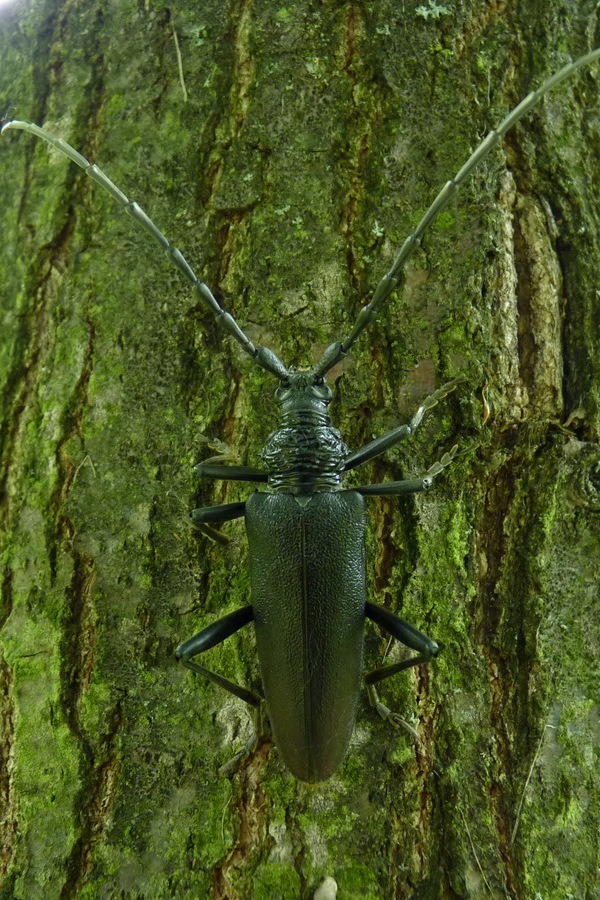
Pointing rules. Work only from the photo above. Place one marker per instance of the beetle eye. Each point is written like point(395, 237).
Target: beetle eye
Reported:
point(322, 391)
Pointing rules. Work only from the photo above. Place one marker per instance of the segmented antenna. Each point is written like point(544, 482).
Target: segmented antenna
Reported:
point(336, 351)
point(261, 355)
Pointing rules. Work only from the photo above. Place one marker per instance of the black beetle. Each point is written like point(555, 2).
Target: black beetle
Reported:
point(306, 537)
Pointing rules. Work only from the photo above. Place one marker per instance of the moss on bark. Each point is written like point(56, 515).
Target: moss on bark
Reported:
point(307, 143)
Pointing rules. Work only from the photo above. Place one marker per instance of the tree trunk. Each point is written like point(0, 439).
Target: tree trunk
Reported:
point(287, 151)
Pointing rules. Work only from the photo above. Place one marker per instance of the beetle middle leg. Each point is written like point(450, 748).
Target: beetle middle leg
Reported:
point(202, 517)
point(411, 485)
point(219, 631)
point(210, 636)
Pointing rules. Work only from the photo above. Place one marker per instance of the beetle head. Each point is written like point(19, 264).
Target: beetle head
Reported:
point(303, 392)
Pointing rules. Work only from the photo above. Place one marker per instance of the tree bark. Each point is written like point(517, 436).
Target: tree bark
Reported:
point(287, 151)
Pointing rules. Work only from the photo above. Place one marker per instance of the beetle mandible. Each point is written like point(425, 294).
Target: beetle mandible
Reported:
point(307, 535)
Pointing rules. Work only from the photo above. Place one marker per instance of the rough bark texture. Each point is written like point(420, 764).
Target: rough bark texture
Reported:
point(309, 140)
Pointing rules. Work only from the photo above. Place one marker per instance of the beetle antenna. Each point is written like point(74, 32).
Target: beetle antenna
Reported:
point(261, 355)
point(339, 349)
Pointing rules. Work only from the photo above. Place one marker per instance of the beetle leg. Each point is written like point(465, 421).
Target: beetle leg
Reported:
point(392, 488)
point(404, 632)
point(225, 513)
point(249, 747)
point(209, 637)
point(213, 534)
point(386, 713)
point(230, 473)
point(411, 637)
point(207, 514)
point(379, 445)
point(201, 518)
point(386, 441)
point(214, 634)
point(410, 486)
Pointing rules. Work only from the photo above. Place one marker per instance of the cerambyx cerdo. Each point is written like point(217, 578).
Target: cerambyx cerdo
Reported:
point(307, 534)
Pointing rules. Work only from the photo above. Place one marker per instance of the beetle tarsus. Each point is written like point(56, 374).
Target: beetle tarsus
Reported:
point(409, 486)
point(434, 399)
point(392, 438)
point(386, 713)
point(232, 765)
point(213, 534)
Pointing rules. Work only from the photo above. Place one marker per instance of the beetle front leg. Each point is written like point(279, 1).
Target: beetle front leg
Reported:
point(218, 471)
point(386, 441)
point(209, 637)
point(411, 637)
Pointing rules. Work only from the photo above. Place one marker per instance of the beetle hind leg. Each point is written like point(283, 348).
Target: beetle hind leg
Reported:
point(209, 637)
point(249, 747)
point(411, 637)
point(387, 714)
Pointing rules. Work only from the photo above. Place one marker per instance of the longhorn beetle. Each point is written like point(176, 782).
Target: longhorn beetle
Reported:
point(307, 535)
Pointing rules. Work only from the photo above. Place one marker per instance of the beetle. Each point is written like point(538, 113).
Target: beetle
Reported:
point(306, 535)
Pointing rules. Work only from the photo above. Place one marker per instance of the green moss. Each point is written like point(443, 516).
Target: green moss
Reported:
point(357, 881)
point(457, 535)
point(275, 880)
point(303, 127)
